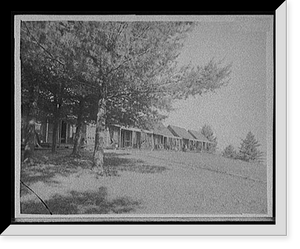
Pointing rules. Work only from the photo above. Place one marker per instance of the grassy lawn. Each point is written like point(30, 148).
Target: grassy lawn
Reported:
point(68, 186)
point(143, 182)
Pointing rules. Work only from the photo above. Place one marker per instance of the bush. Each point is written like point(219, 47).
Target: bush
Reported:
point(229, 152)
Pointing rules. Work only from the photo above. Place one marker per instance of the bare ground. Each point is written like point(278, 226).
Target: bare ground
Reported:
point(143, 182)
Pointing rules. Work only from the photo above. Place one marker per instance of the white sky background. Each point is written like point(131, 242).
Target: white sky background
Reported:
point(234, 110)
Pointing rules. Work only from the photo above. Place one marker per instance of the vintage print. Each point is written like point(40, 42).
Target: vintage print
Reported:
point(145, 118)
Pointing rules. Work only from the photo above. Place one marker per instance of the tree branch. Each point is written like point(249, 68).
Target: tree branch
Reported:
point(125, 61)
point(41, 46)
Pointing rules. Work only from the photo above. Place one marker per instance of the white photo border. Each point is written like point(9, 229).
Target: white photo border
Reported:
point(279, 181)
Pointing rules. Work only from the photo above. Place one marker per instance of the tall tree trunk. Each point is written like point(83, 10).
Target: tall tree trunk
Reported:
point(77, 140)
point(56, 125)
point(57, 113)
point(98, 157)
point(54, 135)
point(29, 140)
point(30, 127)
point(78, 134)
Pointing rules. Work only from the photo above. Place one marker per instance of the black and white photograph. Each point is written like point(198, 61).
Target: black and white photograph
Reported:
point(145, 119)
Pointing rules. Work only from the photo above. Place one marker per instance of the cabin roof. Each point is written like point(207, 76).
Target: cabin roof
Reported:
point(160, 129)
point(199, 136)
point(180, 132)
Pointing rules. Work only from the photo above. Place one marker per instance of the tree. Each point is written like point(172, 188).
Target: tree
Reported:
point(84, 109)
point(29, 109)
point(48, 82)
point(248, 150)
point(207, 131)
point(130, 68)
point(53, 51)
point(138, 63)
point(229, 152)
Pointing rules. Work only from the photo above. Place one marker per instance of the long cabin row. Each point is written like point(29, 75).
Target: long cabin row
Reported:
point(116, 136)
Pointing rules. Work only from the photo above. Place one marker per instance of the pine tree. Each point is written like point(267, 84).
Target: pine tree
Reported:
point(207, 131)
point(229, 152)
point(130, 67)
point(248, 150)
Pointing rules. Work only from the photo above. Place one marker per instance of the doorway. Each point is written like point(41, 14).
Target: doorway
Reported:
point(63, 132)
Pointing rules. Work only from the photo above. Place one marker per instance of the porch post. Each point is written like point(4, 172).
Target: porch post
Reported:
point(152, 141)
point(120, 138)
point(67, 132)
point(59, 133)
point(47, 130)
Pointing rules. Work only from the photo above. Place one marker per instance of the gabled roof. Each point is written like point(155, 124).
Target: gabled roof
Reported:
point(197, 135)
point(160, 129)
point(180, 132)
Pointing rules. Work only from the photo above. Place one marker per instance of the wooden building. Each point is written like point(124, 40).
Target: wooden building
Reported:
point(164, 139)
point(186, 138)
point(202, 141)
point(117, 136)
point(130, 137)
point(88, 135)
point(147, 140)
point(65, 132)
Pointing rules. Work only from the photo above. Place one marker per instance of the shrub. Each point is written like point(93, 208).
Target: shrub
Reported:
point(229, 152)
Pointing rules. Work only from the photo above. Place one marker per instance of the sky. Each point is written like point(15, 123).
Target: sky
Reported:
point(244, 104)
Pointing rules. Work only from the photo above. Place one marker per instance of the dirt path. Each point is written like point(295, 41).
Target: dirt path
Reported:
point(149, 182)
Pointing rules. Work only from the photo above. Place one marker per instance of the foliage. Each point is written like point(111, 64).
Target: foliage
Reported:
point(229, 152)
point(248, 150)
point(46, 49)
point(132, 64)
point(111, 72)
point(207, 131)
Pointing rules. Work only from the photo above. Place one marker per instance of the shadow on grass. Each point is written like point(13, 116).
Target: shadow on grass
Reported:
point(46, 172)
point(48, 166)
point(82, 203)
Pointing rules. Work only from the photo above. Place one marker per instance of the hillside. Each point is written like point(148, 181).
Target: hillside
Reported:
point(145, 182)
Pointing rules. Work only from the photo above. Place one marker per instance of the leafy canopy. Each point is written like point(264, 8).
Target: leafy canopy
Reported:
point(132, 65)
